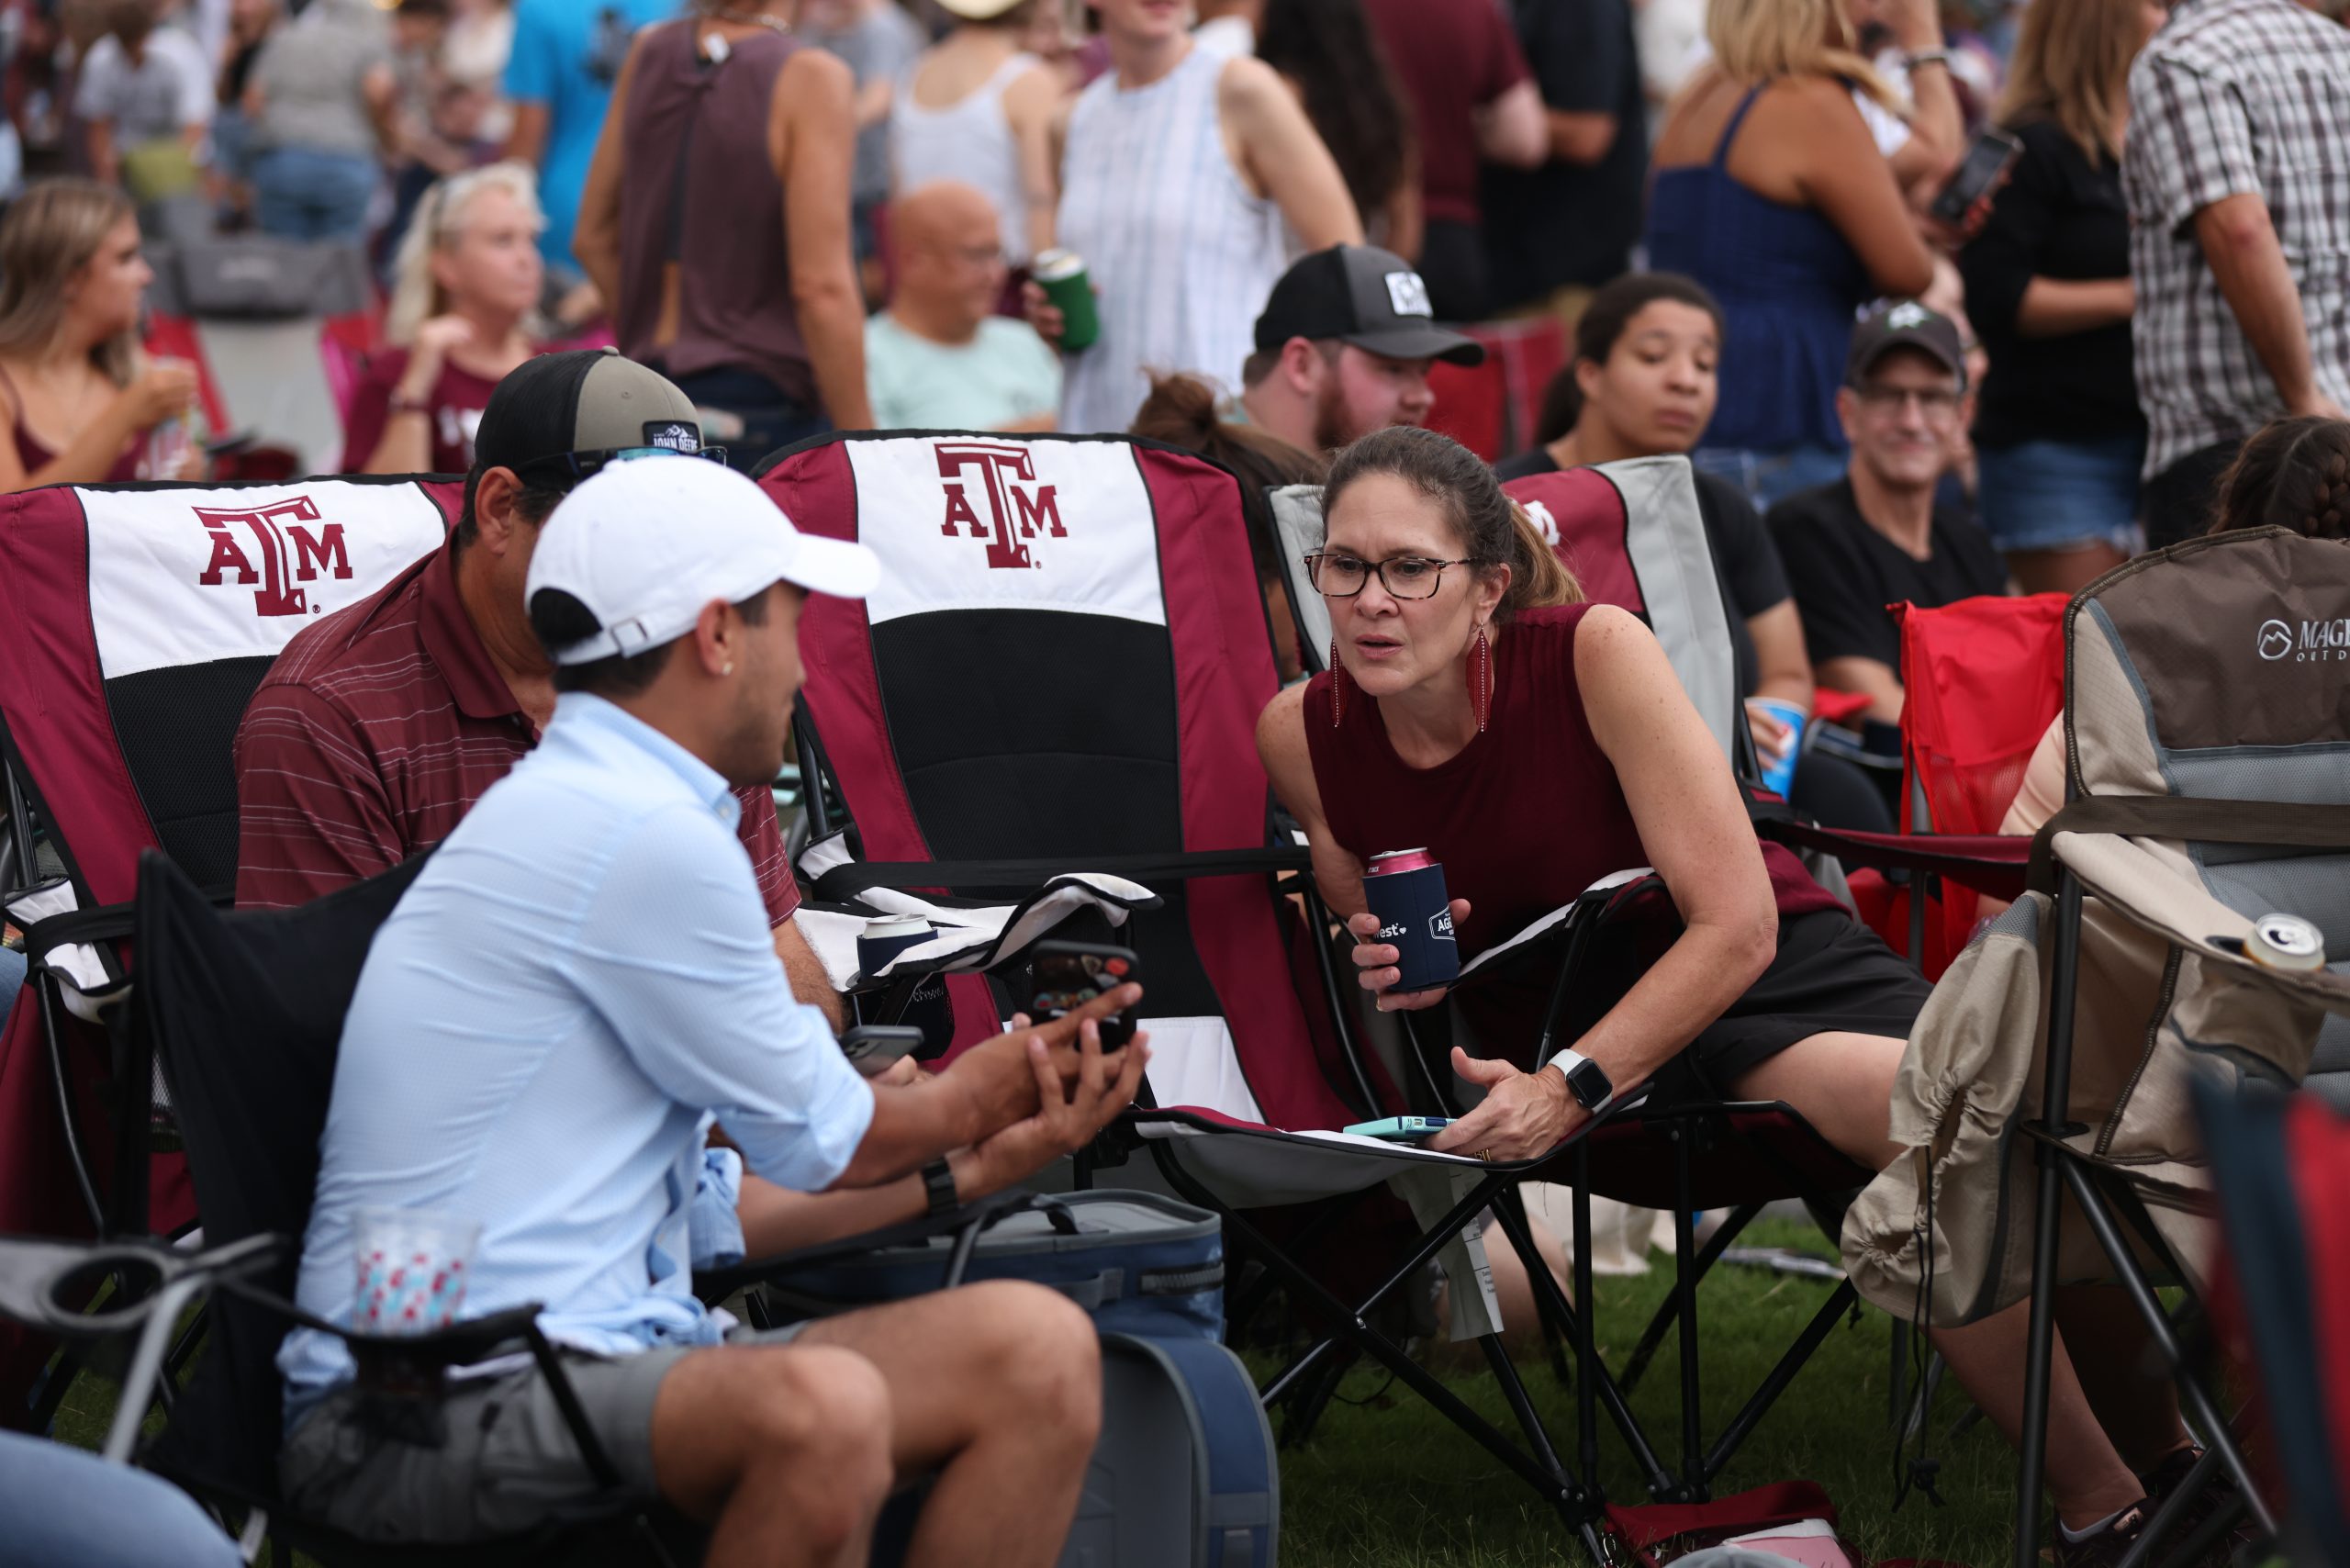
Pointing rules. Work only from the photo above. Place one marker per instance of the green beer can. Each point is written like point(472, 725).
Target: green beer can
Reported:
point(1061, 273)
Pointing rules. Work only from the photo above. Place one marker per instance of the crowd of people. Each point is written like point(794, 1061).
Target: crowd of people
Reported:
point(1265, 230)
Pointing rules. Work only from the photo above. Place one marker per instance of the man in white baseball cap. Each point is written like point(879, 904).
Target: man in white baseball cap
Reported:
point(576, 986)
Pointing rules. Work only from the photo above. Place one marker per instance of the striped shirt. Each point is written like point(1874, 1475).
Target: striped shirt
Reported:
point(576, 984)
point(1182, 253)
point(2235, 98)
point(373, 734)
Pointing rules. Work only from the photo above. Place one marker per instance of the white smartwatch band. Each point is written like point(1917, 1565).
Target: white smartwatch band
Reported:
point(1566, 1059)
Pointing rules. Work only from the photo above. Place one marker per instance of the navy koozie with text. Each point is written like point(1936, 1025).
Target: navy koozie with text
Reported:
point(1405, 889)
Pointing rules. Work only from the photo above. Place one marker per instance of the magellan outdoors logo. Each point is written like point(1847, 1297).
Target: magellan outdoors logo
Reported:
point(1018, 507)
point(2311, 642)
point(279, 555)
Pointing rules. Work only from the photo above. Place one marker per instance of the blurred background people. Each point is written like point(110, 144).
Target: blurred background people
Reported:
point(2238, 225)
point(1471, 99)
point(1879, 535)
point(880, 43)
point(978, 108)
point(727, 267)
point(2058, 436)
point(566, 57)
point(1325, 49)
point(1229, 27)
point(145, 99)
point(1643, 382)
point(1178, 169)
point(1557, 231)
point(321, 101)
point(1181, 410)
point(249, 25)
point(1770, 192)
point(1336, 358)
point(80, 398)
point(461, 321)
point(939, 357)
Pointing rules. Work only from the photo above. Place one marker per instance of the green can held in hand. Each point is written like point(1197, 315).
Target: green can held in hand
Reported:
point(1062, 275)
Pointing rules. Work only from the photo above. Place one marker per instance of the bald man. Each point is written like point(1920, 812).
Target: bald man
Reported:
point(939, 357)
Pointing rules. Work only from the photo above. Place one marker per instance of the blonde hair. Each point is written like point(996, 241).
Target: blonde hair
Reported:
point(417, 296)
point(52, 232)
point(1760, 41)
point(2072, 67)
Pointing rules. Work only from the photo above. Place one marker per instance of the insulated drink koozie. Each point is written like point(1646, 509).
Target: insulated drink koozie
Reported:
point(1405, 889)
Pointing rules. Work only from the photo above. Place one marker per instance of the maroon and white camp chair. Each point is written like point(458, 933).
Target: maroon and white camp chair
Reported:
point(1061, 672)
point(135, 623)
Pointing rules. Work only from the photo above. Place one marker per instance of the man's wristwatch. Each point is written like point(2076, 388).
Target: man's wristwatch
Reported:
point(1586, 1079)
point(938, 1187)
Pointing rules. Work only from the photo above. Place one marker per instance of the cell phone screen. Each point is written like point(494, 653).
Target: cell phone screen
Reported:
point(1065, 981)
point(1991, 153)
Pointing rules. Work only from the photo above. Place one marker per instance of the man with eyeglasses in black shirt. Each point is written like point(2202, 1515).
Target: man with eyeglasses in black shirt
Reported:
point(1876, 537)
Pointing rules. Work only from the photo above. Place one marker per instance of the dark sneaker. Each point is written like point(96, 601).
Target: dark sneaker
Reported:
point(2218, 1493)
point(2107, 1546)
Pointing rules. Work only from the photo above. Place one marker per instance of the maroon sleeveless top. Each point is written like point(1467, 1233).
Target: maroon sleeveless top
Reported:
point(1528, 816)
point(700, 191)
point(36, 456)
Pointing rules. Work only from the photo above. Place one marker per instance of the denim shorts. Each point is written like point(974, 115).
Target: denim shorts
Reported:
point(2061, 495)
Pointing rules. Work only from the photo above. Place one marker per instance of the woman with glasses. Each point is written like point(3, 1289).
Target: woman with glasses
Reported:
point(1532, 745)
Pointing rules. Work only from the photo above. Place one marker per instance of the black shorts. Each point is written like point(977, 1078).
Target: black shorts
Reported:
point(1833, 975)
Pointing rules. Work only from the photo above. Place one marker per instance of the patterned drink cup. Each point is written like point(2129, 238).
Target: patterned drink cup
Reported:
point(412, 1266)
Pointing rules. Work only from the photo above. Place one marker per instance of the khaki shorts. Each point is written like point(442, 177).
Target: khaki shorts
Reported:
point(507, 1462)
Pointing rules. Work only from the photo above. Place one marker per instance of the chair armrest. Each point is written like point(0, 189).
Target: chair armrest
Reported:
point(1990, 863)
point(714, 1285)
point(460, 1344)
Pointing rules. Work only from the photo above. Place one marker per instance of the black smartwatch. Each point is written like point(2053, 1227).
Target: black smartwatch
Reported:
point(1586, 1079)
point(938, 1186)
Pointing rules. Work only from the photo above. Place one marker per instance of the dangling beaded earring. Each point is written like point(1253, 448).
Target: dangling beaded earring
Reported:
point(1337, 686)
point(1480, 679)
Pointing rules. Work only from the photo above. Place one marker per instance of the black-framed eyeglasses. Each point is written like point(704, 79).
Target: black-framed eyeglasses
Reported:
point(1935, 402)
point(566, 469)
point(1336, 575)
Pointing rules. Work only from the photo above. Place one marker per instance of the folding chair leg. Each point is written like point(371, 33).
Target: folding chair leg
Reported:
point(1744, 1423)
point(2201, 1409)
point(1592, 1383)
point(2142, 1550)
point(1653, 1336)
point(2040, 1340)
point(1310, 1399)
point(1684, 1292)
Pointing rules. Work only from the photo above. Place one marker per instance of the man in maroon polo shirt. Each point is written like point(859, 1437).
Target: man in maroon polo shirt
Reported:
point(379, 726)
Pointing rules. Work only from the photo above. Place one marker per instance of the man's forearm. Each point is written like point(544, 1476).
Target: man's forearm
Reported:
point(915, 1124)
point(2239, 242)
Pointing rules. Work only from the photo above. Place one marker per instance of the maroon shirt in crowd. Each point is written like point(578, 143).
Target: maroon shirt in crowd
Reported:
point(457, 400)
point(376, 732)
point(1452, 57)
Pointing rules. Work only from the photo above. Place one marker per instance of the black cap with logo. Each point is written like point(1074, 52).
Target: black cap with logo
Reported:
point(1905, 324)
point(592, 404)
point(1362, 296)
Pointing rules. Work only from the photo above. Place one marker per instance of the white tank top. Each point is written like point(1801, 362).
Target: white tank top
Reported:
point(970, 141)
point(1182, 253)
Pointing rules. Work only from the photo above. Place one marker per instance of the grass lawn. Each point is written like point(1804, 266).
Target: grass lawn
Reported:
point(1387, 1481)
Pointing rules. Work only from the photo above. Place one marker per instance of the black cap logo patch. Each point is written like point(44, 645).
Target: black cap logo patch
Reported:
point(1408, 295)
point(672, 436)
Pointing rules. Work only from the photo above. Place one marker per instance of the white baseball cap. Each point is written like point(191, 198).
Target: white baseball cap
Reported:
point(644, 545)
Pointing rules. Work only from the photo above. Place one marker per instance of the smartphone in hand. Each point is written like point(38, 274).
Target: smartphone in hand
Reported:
point(1065, 976)
point(1993, 154)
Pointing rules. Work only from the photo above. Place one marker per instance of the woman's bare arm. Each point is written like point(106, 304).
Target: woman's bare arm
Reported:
point(1839, 171)
point(596, 231)
point(812, 143)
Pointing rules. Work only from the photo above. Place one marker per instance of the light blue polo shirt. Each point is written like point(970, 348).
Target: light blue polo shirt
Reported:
point(581, 978)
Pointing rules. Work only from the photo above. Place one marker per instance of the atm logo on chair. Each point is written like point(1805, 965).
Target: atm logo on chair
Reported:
point(274, 550)
point(1018, 507)
point(2309, 642)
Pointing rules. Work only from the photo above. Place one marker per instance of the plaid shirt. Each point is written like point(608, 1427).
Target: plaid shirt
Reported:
point(2235, 96)
point(373, 734)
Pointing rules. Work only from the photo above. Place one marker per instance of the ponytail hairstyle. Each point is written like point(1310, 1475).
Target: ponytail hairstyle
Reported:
point(1494, 529)
point(2294, 472)
point(1182, 411)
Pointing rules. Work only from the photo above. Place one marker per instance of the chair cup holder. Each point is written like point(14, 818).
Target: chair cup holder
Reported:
point(137, 1274)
